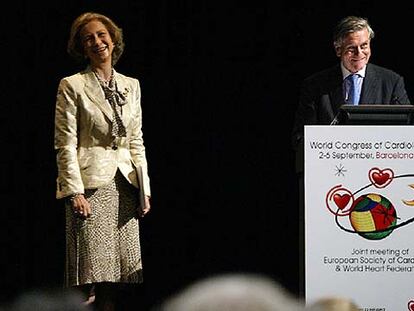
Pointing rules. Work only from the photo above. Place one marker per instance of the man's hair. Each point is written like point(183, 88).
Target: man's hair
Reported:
point(349, 25)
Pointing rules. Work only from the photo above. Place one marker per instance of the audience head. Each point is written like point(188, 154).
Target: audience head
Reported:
point(242, 292)
point(333, 304)
point(50, 300)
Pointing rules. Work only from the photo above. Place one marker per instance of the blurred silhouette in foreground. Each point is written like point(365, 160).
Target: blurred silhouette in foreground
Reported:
point(333, 304)
point(242, 292)
point(50, 300)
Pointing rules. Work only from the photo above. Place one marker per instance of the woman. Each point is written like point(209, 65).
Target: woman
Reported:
point(102, 167)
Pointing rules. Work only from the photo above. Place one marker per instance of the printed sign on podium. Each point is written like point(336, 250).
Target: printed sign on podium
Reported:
point(359, 214)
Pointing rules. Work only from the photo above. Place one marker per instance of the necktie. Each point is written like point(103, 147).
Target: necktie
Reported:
point(353, 93)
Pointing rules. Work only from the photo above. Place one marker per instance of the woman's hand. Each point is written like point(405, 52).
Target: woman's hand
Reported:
point(146, 208)
point(81, 206)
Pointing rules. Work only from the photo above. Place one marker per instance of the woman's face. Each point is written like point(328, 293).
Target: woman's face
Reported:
point(97, 42)
point(355, 50)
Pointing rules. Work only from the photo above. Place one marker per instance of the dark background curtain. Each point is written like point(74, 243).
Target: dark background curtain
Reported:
point(219, 82)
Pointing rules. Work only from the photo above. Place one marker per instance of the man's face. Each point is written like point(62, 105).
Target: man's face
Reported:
point(355, 50)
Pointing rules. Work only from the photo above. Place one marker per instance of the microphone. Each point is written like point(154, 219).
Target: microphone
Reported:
point(335, 120)
point(396, 100)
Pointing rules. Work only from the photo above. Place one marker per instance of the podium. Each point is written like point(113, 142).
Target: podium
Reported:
point(359, 214)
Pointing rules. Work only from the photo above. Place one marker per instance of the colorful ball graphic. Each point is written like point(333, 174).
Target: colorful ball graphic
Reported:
point(371, 216)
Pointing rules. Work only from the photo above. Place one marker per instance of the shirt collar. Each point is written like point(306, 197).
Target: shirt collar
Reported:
point(346, 72)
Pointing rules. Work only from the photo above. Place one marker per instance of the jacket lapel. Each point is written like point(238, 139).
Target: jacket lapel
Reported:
point(369, 87)
point(125, 89)
point(96, 95)
point(337, 96)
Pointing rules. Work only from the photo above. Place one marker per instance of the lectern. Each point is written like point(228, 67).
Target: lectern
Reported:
point(376, 115)
point(359, 207)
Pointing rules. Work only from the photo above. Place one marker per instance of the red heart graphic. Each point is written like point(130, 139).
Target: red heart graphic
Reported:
point(342, 200)
point(411, 305)
point(380, 178)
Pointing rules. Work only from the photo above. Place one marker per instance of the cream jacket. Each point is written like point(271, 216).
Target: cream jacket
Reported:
point(87, 154)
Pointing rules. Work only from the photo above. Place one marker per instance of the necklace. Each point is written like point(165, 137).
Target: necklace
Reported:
point(104, 81)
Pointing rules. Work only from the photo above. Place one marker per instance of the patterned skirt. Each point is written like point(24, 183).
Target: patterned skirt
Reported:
point(105, 247)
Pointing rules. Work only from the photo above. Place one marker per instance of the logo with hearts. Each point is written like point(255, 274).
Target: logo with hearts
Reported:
point(381, 178)
point(411, 305)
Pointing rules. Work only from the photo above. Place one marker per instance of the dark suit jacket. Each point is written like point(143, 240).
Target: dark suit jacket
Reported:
point(321, 96)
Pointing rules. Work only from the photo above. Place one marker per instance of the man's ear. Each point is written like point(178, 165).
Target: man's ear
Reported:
point(338, 51)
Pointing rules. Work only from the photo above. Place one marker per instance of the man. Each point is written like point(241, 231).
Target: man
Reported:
point(352, 81)
point(323, 93)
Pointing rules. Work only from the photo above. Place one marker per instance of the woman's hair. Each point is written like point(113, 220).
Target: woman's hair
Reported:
point(348, 25)
point(75, 46)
